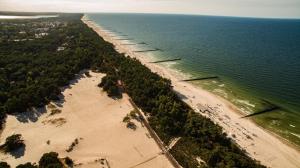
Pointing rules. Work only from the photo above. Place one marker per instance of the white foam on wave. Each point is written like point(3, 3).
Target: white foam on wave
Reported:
point(291, 125)
point(245, 111)
point(246, 102)
point(222, 92)
point(170, 64)
point(275, 122)
point(297, 135)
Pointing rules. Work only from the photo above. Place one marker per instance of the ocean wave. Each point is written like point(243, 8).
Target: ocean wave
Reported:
point(246, 102)
point(222, 92)
point(221, 85)
point(170, 64)
point(297, 135)
point(291, 125)
point(275, 122)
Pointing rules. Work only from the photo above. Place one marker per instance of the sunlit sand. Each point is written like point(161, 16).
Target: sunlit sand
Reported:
point(92, 120)
point(259, 143)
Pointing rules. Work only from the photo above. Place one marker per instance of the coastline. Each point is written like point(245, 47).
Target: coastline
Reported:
point(258, 142)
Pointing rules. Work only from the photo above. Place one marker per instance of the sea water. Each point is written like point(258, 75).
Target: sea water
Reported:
point(257, 60)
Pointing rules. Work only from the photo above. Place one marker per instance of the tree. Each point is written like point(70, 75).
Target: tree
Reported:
point(13, 142)
point(113, 91)
point(3, 96)
point(4, 165)
point(14, 105)
point(109, 84)
point(69, 161)
point(27, 165)
point(31, 74)
point(50, 160)
point(2, 116)
point(126, 119)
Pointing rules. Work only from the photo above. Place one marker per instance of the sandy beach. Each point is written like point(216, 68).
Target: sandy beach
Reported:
point(88, 117)
point(259, 143)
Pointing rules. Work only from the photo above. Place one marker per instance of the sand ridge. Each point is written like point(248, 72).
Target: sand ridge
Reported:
point(92, 120)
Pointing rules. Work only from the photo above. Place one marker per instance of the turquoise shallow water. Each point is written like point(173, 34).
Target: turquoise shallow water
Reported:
point(257, 60)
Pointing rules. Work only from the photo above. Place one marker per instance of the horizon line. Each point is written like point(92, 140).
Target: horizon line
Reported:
point(150, 13)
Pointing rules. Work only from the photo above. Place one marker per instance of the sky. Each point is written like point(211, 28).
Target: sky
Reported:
point(244, 8)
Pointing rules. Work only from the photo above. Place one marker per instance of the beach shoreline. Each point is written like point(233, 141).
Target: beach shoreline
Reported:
point(260, 144)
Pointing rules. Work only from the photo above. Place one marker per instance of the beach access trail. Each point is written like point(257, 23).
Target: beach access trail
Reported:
point(259, 143)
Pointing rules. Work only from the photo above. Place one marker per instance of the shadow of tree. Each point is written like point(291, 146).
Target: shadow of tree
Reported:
point(74, 81)
point(61, 101)
point(18, 152)
point(30, 116)
point(180, 95)
point(33, 114)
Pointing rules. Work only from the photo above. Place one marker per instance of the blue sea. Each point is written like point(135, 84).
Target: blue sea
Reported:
point(257, 60)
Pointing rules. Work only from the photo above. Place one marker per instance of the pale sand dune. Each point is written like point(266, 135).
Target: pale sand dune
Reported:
point(96, 120)
point(259, 143)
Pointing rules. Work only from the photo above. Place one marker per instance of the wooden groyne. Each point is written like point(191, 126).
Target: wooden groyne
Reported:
point(202, 78)
point(112, 31)
point(142, 43)
point(108, 31)
point(156, 49)
point(262, 111)
point(269, 103)
point(108, 28)
point(119, 35)
point(129, 44)
point(125, 39)
point(167, 60)
point(271, 107)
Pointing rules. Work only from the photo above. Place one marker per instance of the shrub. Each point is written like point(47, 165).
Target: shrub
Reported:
point(51, 106)
point(87, 74)
point(4, 165)
point(50, 160)
point(55, 111)
point(13, 142)
point(133, 114)
point(69, 161)
point(73, 144)
point(131, 125)
point(126, 119)
point(27, 165)
point(109, 84)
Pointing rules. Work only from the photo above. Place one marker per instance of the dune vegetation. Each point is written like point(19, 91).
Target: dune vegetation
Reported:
point(32, 72)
